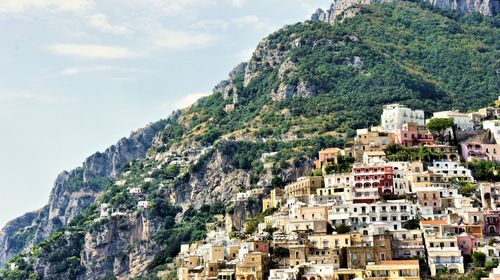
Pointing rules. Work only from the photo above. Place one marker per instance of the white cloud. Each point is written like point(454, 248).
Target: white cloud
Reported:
point(186, 101)
point(246, 54)
point(250, 21)
point(238, 3)
point(211, 24)
point(101, 22)
point(20, 6)
point(92, 51)
point(179, 40)
point(72, 71)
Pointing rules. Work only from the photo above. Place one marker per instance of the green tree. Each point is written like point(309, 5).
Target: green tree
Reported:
point(438, 126)
point(478, 259)
point(413, 223)
point(342, 229)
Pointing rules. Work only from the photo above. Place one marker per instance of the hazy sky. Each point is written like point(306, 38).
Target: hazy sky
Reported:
point(77, 75)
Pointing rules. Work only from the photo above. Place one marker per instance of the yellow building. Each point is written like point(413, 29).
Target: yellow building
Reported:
point(274, 200)
point(347, 274)
point(253, 267)
point(304, 187)
point(217, 252)
point(393, 270)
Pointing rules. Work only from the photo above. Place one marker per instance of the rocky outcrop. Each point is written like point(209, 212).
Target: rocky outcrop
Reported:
point(74, 191)
point(122, 246)
point(339, 8)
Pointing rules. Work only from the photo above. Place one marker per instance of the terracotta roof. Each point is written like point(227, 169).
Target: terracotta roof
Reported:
point(330, 150)
point(400, 262)
point(434, 222)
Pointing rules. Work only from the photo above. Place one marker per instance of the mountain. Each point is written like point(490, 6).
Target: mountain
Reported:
point(75, 191)
point(307, 86)
point(338, 9)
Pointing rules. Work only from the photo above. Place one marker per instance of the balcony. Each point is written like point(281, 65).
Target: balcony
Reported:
point(446, 262)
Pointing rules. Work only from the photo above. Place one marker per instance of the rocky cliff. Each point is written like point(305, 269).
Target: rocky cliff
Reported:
point(340, 8)
point(74, 191)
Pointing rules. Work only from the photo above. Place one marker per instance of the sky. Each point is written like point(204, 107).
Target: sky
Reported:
point(76, 76)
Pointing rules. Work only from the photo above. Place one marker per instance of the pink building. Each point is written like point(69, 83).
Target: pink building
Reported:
point(429, 196)
point(370, 181)
point(492, 222)
point(467, 243)
point(477, 150)
point(411, 135)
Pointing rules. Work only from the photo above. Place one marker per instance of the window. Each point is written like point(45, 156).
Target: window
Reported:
point(369, 257)
point(382, 256)
point(354, 257)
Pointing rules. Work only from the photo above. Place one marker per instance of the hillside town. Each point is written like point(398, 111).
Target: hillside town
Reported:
point(371, 210)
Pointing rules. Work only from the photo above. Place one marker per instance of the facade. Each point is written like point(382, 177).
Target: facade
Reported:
point(395, 116)
point(451, 170)
point(304, 187)
point(494, 127)
point(462, 121)
point(375, 251)
point(393, 270)
point(413, 135)
point(371, 181)
point(254, 266)
point(328, 157)
point(490, 195)
point(407, 244)
point(480, 151)
point(447, 152)
point(370, 141)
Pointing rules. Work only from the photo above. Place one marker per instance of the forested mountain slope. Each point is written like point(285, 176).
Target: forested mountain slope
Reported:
point(308, 86)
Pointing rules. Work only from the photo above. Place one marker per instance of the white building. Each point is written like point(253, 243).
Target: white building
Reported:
point(443, 252)
point(135, 191)
point(395, 115)
point(490, 195)
point(461, 120)
point(144, 204)
point(494, 127)
point(452, 170)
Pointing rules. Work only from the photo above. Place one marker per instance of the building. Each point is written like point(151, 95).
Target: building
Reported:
point(395, 116)
point(370, 141)
point(446, 152)
point(494, 127)
point(480, 151)
point(254, 266)
point(304, 187)
point(393, 270)
point(374, 251)
point(309, 219)
point(144, 204)
point(135, 191)
point(443, 253)
point(413, 135)
point(371, 181)
point(407, 244)
point(462, 121)
point(274, 200)
point(328, 157)
point(451, 170)
point(492, 222)
point(430, 196)
point(490, 195)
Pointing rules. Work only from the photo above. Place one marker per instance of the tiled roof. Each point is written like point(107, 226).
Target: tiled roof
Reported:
point(400, 262)
point(434, 222)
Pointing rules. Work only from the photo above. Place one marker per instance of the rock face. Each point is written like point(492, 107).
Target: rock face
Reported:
point(104, 248)
point(339, 7)
point(74, 191)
